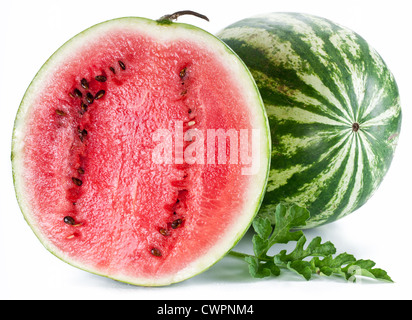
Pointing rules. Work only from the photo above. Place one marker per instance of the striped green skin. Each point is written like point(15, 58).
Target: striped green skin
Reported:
point(317, 79)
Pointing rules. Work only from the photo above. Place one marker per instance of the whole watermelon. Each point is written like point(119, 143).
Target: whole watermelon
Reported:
point(333, 108)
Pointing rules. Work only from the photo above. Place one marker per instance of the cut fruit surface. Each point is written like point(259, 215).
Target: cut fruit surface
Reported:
point(117, 151)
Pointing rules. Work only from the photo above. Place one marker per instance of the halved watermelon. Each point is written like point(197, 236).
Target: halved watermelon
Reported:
point(117, 151)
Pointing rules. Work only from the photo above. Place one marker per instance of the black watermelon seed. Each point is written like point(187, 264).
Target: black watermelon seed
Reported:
point(122, 65)
point(112, 70)
point(101, 78)
point(82, 134)
point(80, 170)
point(89, 98)
point(69, 220)
point(156, 252)
point(60, 112)
point(182, 73)
point(84, 84)
point(84, 106)
point(77, 93)
point(77, 182)
point(99, 94)
point(177, 223)
point(164, 232)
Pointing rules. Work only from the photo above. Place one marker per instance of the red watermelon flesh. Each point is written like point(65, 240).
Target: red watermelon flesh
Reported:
point(84, 151)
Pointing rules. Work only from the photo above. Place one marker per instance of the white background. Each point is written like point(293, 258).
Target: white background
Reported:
point(30, 31)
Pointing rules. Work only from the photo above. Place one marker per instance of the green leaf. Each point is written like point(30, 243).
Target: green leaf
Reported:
point(287, 218)
point(337, 262)
point(319, 256)
point(253, 263)
point(301, 267)
point(262, 227)
point(259, 269)
point(365, 268)
point(294, 260)
point(330, 265)
point(315, 248)
point(260, 246)
point(346, 265)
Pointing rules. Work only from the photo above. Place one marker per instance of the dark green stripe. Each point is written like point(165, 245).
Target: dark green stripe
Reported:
point(310, 157)
point(303, 49)
point(349, 188)
point(381, 79)
point(368, 179)
point(257, 60)
point(336, 59)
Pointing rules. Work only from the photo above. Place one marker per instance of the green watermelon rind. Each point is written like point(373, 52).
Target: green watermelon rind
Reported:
point(35, 86)
point(314, 75)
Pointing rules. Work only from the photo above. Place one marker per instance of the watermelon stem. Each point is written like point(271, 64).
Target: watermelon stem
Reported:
point(243, 256)
point(177, 14)
point(240, 255)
